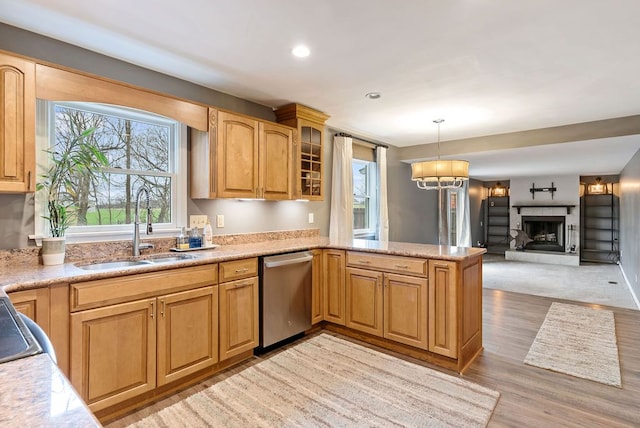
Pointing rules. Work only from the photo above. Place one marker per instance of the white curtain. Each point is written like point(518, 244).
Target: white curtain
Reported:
point(341, 217)
point(383, 210)
point(462, 218)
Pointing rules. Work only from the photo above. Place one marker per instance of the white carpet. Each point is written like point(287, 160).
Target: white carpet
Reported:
point(578, 341)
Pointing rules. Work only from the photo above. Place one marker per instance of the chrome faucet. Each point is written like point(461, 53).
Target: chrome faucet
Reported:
point(137, 246)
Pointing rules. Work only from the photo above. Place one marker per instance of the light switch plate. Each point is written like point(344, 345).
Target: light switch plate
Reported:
point(220, 220)
point(311, 219)
point(198, 221)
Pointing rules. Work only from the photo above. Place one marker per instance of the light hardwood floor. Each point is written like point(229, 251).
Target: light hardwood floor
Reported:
point(530, 396)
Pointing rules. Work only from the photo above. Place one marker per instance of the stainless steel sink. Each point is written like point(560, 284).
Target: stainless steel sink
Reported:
point(169, 259)
point(119, 264)
point(113, 265)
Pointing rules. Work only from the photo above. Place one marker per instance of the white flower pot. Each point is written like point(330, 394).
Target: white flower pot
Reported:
point(53, 251)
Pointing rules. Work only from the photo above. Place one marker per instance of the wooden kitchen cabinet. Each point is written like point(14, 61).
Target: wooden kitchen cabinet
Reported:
point(443, 315)
point(242, 157)
point(17, 124)
point(386, 304)
point(113, 352)
point(333, 280)
point(128, 338)
point(238, 307)
point(34, 304)
point(364, 301)
point(187, 333)
point(309, 156)
point(317, 313)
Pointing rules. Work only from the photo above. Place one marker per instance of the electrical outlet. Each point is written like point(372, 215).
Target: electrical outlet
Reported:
point(198, 221)
point(311, 218)
point(220, 220)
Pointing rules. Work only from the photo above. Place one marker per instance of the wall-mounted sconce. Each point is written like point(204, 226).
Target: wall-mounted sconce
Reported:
point(597, 188)
point(498, 190)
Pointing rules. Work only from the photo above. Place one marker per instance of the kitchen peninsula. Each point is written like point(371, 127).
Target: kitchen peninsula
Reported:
point(421, 300)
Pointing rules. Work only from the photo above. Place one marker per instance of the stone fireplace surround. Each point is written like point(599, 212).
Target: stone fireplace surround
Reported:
point(544, 205)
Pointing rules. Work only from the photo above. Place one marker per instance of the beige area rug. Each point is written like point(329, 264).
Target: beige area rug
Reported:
point(578, 341)
point(329, 382)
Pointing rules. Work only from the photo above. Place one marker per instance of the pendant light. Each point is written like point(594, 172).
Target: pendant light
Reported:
point(440, 173)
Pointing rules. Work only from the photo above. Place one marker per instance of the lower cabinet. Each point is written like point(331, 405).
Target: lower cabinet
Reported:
point(387, 305)
point(317, 311)
point(333, 281)
point(443, 315)
point(124, 343)
point(239, 307)
point(34, 304)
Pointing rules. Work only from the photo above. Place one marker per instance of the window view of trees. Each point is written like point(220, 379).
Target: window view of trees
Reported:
point(364, 197)
point(139, 150)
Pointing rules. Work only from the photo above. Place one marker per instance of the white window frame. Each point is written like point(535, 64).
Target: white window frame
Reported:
point(45, 113)
point(372, 196)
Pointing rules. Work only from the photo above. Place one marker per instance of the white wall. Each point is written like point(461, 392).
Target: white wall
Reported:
point(567, 193)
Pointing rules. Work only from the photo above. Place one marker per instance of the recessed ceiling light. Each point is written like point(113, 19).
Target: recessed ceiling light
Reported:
point(373, 95)
point(301, 51)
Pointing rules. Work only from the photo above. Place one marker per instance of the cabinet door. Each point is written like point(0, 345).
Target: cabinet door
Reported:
point(405, 309)
point(317, 314)
point(364, 301)
point(333, 286)
point(34, 304)
point(276, 164)
point(311, 159)
point(237, 156)
point(113, 352)
point(187, 333)
point(443, 317)
point(17, 124)
point(238, 317)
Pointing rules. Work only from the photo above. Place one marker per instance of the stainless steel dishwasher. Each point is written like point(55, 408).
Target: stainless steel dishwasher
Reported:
point(285, 296)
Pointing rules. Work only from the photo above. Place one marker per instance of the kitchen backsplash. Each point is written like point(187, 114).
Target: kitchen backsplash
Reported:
point(117, 249)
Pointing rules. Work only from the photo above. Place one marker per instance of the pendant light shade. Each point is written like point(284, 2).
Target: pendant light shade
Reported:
point(440, 173)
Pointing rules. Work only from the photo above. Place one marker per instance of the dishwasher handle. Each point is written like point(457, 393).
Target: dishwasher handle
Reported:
point(287, 259)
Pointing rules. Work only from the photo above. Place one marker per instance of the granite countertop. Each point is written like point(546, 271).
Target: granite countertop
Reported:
point(16, 277)
point(36, 393)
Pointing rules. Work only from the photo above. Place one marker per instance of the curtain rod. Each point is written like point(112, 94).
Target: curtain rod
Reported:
point(344, 134)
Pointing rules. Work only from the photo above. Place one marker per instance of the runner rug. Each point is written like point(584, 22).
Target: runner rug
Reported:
point(327, 381)
point(578, 341)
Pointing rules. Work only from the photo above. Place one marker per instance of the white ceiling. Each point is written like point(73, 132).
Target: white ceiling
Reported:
point(486, 66)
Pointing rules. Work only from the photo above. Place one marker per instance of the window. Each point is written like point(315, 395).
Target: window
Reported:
point(365, 189)
point(143, 149)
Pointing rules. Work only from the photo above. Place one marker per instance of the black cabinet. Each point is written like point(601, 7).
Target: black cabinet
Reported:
point(599, 228)
point(497, 224)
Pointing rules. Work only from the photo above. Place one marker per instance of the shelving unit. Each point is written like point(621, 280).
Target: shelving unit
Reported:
point(599, 226)
point(497, 222)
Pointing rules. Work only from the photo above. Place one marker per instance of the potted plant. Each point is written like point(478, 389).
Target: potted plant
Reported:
point(79, 157)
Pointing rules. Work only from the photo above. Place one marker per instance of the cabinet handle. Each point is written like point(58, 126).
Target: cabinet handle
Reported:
point(364, 262)
point(243, 284)
point(440, 265)
point(162, 308)
point(402, 266)
point(152, 308)
point(29, 180)
point(243, 270)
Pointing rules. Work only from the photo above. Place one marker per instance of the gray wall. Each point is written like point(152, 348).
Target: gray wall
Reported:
point(630, 222)
point(476, 211)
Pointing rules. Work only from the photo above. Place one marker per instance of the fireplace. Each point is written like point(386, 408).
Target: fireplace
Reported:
point(547, 232)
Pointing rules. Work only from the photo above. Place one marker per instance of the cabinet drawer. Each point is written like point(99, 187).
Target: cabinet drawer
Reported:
point(406, 265)
point(238, 269)
point(103, 292)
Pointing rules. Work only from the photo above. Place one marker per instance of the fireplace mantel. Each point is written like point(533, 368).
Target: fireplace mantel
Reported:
point(568, 207)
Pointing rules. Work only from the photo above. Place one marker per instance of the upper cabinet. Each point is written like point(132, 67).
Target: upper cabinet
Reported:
point(309, 182)
point(242, 157)
point(17, 124)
